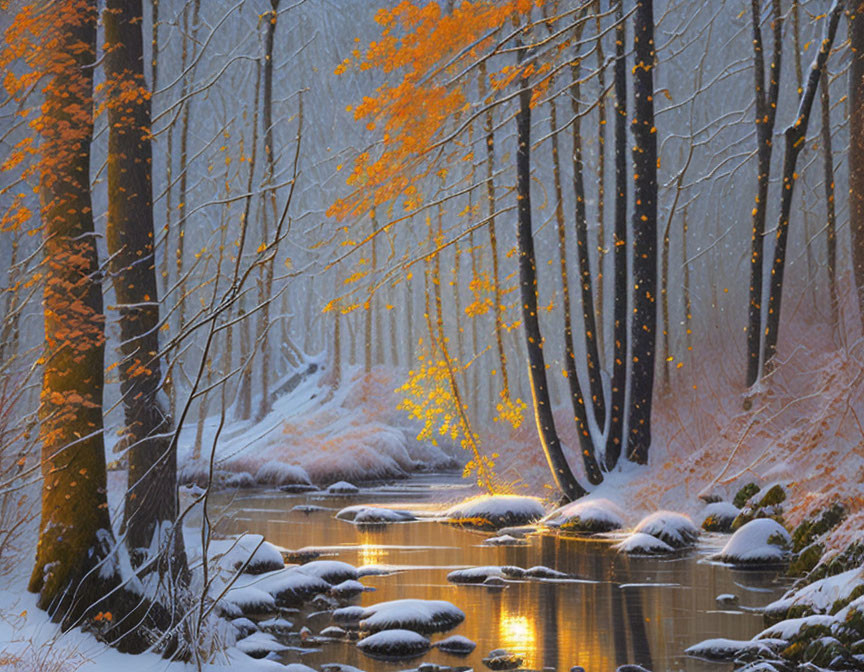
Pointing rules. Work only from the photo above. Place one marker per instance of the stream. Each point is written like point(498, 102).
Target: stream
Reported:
point(621, 610)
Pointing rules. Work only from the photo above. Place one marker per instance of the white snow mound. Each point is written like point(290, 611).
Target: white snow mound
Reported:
point(640, 543)
point(676, 529)
point(423, 616)
point(394, 644)
point(761, 541)
point(589, 516)
point(496, 511)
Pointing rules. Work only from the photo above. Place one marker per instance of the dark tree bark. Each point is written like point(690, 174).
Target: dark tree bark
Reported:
point(619, 333)
point(592, 357)
point(830, 213)
point(586, 444)
point(856, 146)
point(643, 334)
point(75, 537)
point(151, 498)
point(795, 135)
point(561, 472)
point(766, 113)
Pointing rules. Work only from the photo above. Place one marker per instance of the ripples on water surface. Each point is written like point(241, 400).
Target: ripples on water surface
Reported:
point(629, 610)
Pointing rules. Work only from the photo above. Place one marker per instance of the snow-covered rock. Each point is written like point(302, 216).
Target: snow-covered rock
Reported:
point(760, 542)
point(361, 514)
point(718, 517)
point(424, 616)
point(474, 574)
point(586, 516)
point(279, 473)
point(244, 626)
point(347, 589)
point(504, 540)
point(249, 551)
point(250, 600)
point(288, 587)
point(720, 649)
point(820, 595)
point(331, 571)
point(541, 572)
point(676, 529)
point(348, 615)
point(640, 543)
point(276, 626)
point(456, 645)
point(501, 659)
point(343, 488)
point(298, 667)
point(790, 628)
point(394, 644)
point(496, 511)
point(259, 645)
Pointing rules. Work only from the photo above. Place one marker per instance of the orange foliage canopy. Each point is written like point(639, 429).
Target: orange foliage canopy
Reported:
point(429, 54)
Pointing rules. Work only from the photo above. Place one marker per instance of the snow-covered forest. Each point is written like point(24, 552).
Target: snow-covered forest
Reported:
point(279, 276)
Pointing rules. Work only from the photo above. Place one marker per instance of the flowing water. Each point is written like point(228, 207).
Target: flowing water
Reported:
point(624, 610)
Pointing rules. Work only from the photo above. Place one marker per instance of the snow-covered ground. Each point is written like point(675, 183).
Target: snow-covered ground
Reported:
point(317, 433)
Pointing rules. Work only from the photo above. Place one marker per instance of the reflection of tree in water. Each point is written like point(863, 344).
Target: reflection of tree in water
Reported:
point(549, 597)
point(636, 623)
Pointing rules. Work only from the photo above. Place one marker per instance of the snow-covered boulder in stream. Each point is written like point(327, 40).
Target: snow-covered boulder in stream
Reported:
point(360, 514)
point(347, 589)
point(676, 529)
point(343, 488)
point(289, 587)
point(718, 517)
point(423, 616)
point(394, 644)
point(760, 542)
point(456, 645)
point(475, 574)
point(720, 649)
point(639, 543)
point(492, 512)
point(249, 552)
point(259, 645)
point(586, 516)
point(332, 571)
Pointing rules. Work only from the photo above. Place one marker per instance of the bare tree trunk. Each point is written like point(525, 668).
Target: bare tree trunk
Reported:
point(151, 497)
point(493, 239)
point(831, 216)
point(614, 437)
point(265, 298)
point(685, 263)
point(766, 113)
point(796, 135)
point(592, 357)
point(643, 334)
point(601, 184)
point(561, 472)
point(580, 415)
point(370, 302)
point(856, 147)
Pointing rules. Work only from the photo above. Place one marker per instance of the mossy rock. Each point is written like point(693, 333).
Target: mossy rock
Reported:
point(806, 559)
point(828, 652)
point(774, 512)
point(715, 523)
point(816, 525)
point(850, 558)
point(775, 496)
point(744, 495)
point(856, 592)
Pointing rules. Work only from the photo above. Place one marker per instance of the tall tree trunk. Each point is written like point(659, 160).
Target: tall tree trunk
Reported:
point(643, 334)
point(267, 267)
point(244, 407)
point(830, 213)
point(493, 238)
point(580, 415)
point(370, 303)
point(151, 497)
point(856, 147)
point(766, 113)
point(618, 397)
point(75, 535)
point(592, 357)
point(685, 296)
point(601, 182)
point(796, 135)
point(561, 472)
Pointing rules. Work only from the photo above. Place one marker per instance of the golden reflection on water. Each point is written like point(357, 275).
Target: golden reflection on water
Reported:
point(518, 634)
point(370, 553)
